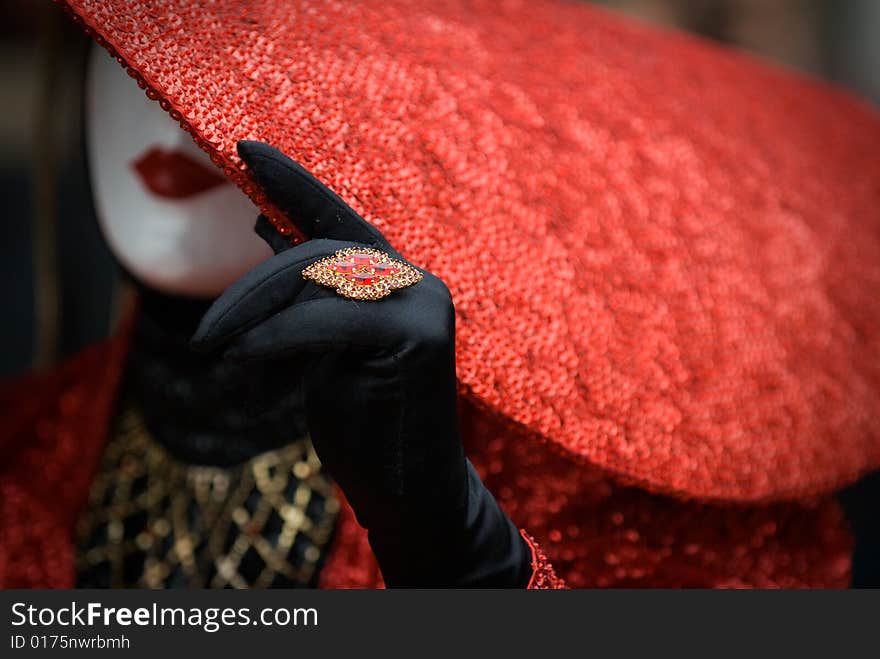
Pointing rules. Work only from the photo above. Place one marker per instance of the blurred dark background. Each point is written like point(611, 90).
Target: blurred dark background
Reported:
point(60, 288)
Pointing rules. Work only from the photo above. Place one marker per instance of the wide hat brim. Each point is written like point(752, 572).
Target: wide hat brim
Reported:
point(665, 257)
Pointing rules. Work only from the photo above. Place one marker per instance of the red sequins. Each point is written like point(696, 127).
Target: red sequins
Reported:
point(52, 431)
point(705, 313)
point(665, 260)
point(598, 532)
point(543, 575)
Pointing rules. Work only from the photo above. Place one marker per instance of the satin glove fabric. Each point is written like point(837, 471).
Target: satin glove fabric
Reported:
point(380, 390)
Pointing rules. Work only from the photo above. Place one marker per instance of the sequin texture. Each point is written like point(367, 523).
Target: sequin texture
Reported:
point(665, 261)
point(543, 575)
point(678, 246)
point(597, 531)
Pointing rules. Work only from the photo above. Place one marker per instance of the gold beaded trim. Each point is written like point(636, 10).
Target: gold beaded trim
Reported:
point(155, 522)
point(362, 273)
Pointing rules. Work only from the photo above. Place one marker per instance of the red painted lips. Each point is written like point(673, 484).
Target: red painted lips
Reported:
point(172, 174)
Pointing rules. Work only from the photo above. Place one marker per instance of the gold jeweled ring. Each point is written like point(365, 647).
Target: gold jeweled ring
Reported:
point(362, 273)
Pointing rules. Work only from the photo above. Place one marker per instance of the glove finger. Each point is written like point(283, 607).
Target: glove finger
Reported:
point(316, 326)
point(264, 229)
point(420, 314)
point(317, 211)
point(270, 286)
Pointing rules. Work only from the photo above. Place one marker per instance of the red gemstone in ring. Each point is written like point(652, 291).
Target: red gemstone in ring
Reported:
point(363, 278)
point(363, 258)
point(344, 266)
point(362, 273)
point(385, 269)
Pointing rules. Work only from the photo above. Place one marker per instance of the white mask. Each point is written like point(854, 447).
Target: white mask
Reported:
point(193, 239)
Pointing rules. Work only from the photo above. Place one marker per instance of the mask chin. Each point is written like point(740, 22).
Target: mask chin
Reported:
point(166, 215)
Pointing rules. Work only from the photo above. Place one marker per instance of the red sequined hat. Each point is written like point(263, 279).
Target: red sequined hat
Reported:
point(665, 256)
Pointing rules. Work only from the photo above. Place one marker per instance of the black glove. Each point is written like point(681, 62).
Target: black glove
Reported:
point(380, 390)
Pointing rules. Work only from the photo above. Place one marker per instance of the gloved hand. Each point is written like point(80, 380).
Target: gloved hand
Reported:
point(380, 390)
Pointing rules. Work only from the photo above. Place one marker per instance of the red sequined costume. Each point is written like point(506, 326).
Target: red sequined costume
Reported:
point(599, 533)
point(52, 438)
point(665, 260)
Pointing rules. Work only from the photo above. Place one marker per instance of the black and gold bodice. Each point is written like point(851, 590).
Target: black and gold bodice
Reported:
point(208, 478)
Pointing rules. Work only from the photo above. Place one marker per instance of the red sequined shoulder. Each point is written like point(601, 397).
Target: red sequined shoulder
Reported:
point(51, 436)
